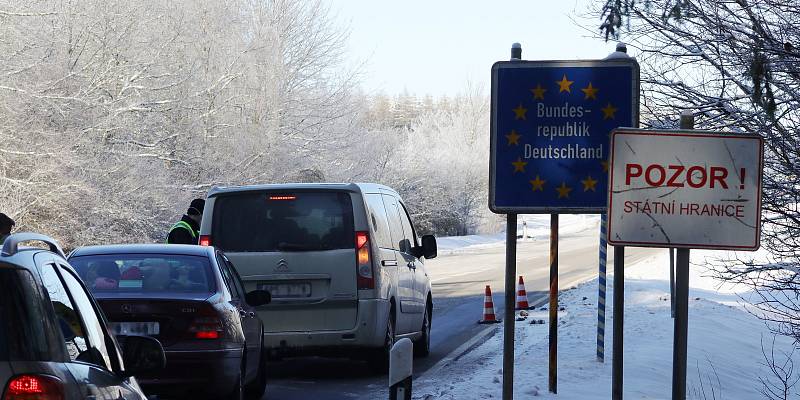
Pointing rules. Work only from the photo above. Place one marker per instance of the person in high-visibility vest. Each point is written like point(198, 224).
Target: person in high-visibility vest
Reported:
point(6, 223)
point(187, 230)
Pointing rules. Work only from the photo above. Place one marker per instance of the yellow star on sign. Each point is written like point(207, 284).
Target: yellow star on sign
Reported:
point(608, 111)
point(590, 92)
point(519, 165)
point(563, 190)
point(564, 84)
point(589, 184)
point(520, 112)
point(604, 163)
point(538, 92)
point(513, 138)
point(537, 184)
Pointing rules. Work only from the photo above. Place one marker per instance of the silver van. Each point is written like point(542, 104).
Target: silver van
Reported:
point(342, 261)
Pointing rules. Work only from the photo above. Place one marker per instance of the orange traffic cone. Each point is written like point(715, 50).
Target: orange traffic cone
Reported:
point(488, 308)
point(522, 296)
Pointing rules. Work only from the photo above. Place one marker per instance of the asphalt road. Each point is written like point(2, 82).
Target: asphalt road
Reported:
point(458, 283)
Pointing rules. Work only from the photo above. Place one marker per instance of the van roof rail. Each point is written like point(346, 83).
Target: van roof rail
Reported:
point(11, 244)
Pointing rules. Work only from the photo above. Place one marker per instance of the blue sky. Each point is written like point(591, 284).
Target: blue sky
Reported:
point(437, 46)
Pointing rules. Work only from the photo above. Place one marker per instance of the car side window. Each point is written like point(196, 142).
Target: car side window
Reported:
point(237, 280)
point(98, 345)
point(379, 220)
point(69, 321)
point(408, 228)
point(28, 328)
point(395, 224)
point(228, 278)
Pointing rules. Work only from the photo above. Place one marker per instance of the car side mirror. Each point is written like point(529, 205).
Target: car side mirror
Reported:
point(429, 246)
point(258, 298)
point(142, 354)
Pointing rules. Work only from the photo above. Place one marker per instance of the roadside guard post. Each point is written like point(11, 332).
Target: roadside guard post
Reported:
point(550, 125)
point(601, 292)
point(685, 189)
point(401, 360)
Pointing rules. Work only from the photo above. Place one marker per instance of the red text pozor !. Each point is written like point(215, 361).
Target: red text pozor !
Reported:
point(696, 176)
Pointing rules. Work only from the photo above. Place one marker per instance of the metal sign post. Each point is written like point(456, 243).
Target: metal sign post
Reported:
point(552, 382)
point(684, 189)
point(508, 324)
point(681, 327)
point(681, 307)
point(550, 122)
point(619, 320)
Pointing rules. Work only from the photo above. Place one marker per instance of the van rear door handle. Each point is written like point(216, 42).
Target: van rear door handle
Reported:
point(389, 263)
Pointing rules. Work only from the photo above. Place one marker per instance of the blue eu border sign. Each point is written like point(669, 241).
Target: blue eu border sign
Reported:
point(550, 128)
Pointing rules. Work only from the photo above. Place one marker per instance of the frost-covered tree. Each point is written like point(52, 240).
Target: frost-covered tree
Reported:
point(113, 114)
point(437, 158)
point(736, 65)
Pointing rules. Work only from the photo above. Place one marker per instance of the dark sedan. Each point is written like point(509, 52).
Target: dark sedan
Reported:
point(191, 299)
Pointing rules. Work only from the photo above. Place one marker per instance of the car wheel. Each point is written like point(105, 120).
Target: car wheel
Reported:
point(255, 390)
point(380, 358)
point(422, 347)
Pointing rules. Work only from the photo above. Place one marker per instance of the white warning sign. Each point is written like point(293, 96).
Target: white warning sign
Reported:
point(688, 189)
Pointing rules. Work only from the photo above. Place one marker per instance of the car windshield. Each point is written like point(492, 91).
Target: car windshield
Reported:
point(281, 221)
point(145, 273)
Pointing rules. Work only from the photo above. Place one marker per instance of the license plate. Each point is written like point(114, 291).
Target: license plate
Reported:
point(134, 328)
point(287, 290)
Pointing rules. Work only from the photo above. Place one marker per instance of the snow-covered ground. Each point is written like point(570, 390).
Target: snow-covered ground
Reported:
point(725, 357)
point(529, 227)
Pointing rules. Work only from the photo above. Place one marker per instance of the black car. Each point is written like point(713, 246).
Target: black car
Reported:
point(191, 299)
point(54, 340)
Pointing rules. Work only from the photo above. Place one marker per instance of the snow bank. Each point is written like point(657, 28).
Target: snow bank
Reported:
point(724, 353)
point(529, 227)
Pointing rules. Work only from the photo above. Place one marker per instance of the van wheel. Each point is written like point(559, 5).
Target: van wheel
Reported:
point(422, 347)
point(379, 360)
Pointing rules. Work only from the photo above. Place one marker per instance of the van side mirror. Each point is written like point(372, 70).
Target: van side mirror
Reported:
point(429, 246)
point(142, 354)
point(258, 297)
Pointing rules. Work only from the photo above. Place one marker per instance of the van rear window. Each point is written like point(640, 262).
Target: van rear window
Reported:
point(281, 221)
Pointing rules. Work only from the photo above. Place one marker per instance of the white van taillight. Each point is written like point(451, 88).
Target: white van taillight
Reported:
point(30, 387)
point(205, 240)
point(366, 280)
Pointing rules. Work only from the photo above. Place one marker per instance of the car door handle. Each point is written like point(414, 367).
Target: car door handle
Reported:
point(389, 263)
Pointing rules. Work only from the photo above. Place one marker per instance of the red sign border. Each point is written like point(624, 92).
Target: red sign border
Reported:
point(684, 133)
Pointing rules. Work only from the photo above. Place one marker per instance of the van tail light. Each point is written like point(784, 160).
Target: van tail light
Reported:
point(34, 387)
point(366, 280)
point(205, 240)
point(206, 328)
